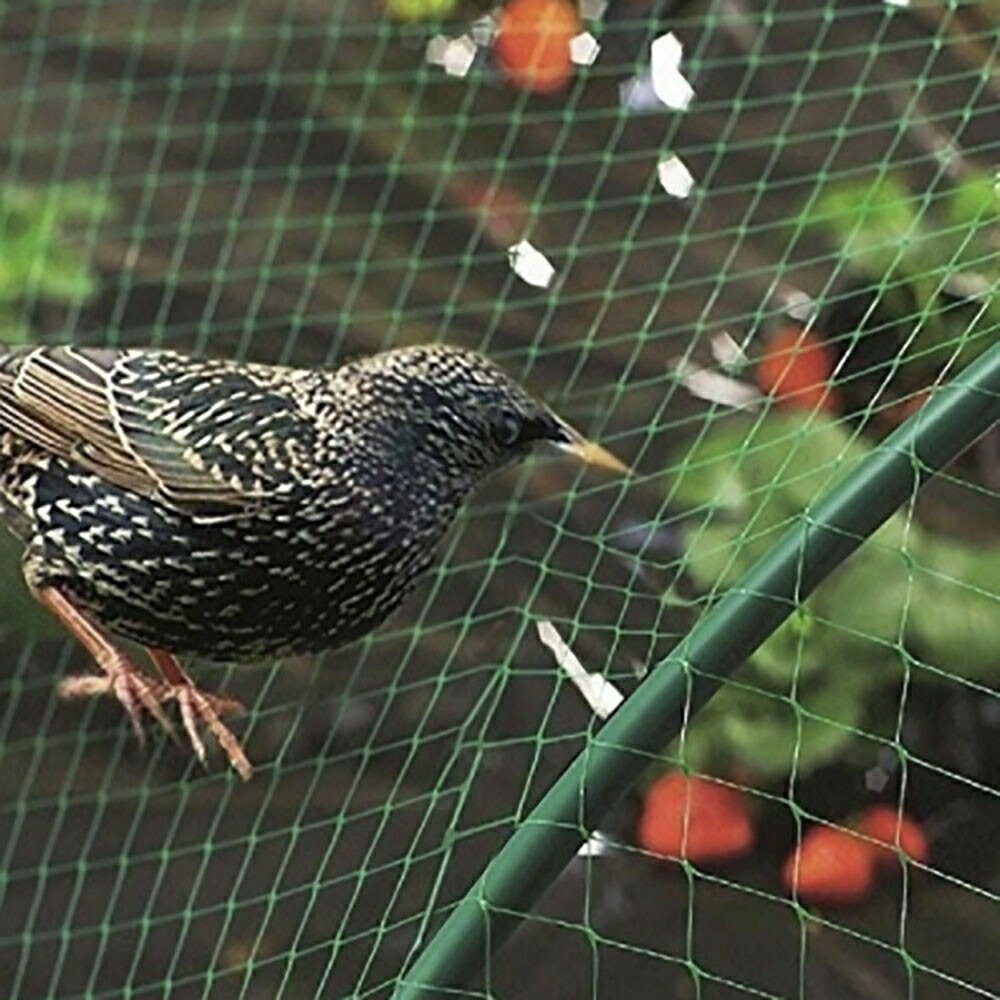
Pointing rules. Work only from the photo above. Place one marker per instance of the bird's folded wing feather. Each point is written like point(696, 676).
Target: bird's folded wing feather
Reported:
point(195, 434)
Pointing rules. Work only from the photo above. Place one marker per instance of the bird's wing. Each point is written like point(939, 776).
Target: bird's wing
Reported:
point(196, 434)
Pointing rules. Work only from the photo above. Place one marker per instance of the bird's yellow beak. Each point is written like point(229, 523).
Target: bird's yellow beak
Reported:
point(593, 454)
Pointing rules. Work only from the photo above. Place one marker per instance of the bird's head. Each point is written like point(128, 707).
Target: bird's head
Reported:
point(462, 414)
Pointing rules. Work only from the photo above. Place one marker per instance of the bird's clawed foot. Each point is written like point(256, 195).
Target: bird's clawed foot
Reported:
point(137, 692)
point(200, 706)
point(133, 689)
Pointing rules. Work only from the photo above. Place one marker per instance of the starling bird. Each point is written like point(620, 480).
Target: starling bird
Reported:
point(239, 511)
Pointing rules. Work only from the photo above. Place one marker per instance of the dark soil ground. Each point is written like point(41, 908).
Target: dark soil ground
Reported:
point(298, 190)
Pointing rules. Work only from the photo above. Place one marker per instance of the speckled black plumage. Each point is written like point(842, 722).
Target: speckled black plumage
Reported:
point(238, 511)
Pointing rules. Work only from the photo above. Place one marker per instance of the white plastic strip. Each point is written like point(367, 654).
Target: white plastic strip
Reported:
point(599, 693)
point(584, 49)
point(675, 178)
point(531, 265)
point(716, 387)
point(669, 84)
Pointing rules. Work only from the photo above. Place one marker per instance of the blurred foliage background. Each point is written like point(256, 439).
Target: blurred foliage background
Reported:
point(295, 181)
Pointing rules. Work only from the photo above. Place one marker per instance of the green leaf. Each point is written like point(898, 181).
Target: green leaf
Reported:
point(65, 278)
point(755, 731)
point(13, 330)
point(869, 595)
point(791, 653)
point(975, 201)
point(786, 457)
point(872, 221)
point(951, 251)
point(35, 259)
point(952, 616)
point(714, 555)
point(842, 653)
point(710, 475)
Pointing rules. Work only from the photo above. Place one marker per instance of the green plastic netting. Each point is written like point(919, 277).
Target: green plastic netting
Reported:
point(742, 291)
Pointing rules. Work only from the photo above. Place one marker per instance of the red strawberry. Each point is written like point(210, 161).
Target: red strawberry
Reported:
point(532, 43)
point(796, 370)
point(695, 819)
point(831, 866)
point(502, 211)
point(890, 827)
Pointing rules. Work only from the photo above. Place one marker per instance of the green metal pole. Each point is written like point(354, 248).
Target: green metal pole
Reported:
point(721, 640)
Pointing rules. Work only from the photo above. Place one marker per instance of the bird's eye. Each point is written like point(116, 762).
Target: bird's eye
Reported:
point(507, 428)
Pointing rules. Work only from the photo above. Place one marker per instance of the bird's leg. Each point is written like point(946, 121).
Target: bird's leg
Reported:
point(137, 691)
point(201, 706)
point(122, 678)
